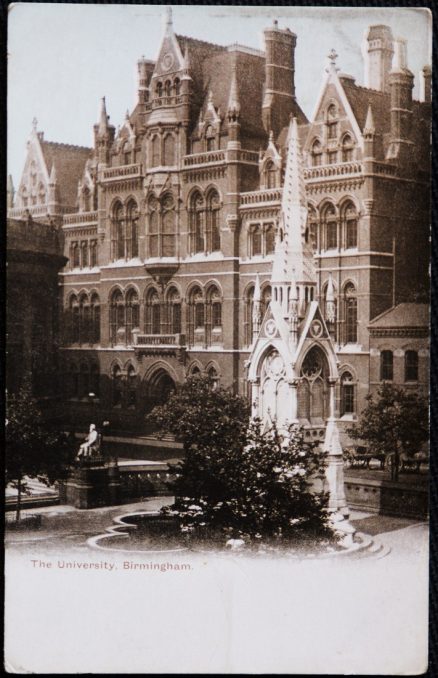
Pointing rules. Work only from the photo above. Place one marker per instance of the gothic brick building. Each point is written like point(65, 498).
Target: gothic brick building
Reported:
point(167, 222)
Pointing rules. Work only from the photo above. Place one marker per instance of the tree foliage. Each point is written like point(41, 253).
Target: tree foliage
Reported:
point(237, 478)
point(33, 449)
point(395, 422)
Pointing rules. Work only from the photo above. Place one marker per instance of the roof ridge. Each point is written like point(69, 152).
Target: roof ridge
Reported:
point(366, 89)
point(70, 146)
point(201, 42)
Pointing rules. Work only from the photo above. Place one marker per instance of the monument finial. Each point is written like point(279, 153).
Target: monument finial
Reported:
point(169, 16)
point(332, 56)
point(34, 124)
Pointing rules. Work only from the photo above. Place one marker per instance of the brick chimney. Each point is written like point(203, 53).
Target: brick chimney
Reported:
point(279, 94)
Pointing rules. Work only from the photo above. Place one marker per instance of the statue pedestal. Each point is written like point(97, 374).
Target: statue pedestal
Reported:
point(335, 469)
point(93, 483)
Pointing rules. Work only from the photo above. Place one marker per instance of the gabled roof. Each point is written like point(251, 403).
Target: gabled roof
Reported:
point(403, 315)
point(69, 162)
point(360, 98)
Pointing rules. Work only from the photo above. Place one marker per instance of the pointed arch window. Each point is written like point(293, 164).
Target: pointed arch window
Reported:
point(347, 394)
point(75, 255)
point(156, 155)
point(213, 316)
point(168, 243)
point(74, 321)
point(169, 150)
point(347, 148)
point(159, 89)
point(174, 312)
point(93, 253)
point(196, 317)
point(332, 122)
point(132, 230)
point(256, 241)
point(330, 227)
point(131, 379)
point(117, 317)
point(197, 223)
point(349, 219)
point(316, 154)
point(209, 138)
point(177, 86)
point(270, 174)
point(153, 227)
point(266, 298)
point(95, 319)
point(117, 386)
point(84, 254)
point(269, 238)
point(167, 88)
point(118, 232)
point(248, 315)
point(132, 315)
point(350, 309)
point(152, 313)
point(213, 222)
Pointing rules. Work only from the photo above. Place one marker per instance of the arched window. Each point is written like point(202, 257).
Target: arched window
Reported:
point(168, 240)
point(248, 321)
point(269, 238)
point(196, 317)
point(152, 313)
point(330, 227)
point(316, 153)
point(335, 302)
point(93, 253)
point(213, 375)
point(132, 315)
point(311, 233)
point(349, 221)
point(169, 150)
point(84, 254)
point(312, 389)
point(270, 174)
point(196, 223)
point(347, 394)
point(174, 312)
point(118, 232)
point(347, 148)
point(411, 366)
point(209, 138)
point(117, 318)
point(212, 218)
point(153, 227)
point(117, 386)
point(159, 89)
point(126, 151)
point(84, 319)
point(95, 379)
point(95, 319)
point(177, 86)
point(132, 230)
point(212, 316)
point(266, 298)
point(156, 159)
point(75, 255)
point(256, 241)
point(350, 306)
point(167, 88)
point(386, 366)
point(131, 387)
point(332, 122)
point(86, 199)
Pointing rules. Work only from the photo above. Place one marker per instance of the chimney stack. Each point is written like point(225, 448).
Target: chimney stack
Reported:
point(145, 69)
point(279, 94)
point(426, 84)
point(378, 52)
point(401, 83)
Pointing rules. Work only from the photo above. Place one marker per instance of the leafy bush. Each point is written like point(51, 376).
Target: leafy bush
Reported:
point(237, 479)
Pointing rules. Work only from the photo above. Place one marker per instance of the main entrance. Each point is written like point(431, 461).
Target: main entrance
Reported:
point(158, 389)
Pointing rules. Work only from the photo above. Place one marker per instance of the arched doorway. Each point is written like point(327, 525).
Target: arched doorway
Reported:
point(313, 389)
point(159, 387)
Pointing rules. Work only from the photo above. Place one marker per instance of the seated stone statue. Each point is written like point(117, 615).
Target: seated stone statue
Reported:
point(91, 444)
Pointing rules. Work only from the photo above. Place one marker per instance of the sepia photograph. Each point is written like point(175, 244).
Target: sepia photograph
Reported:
point(217, 339)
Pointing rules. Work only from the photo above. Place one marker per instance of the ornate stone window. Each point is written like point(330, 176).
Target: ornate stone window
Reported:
point(177, 86)
point(209, 138)
point(256, 240)
point(347, 148)
point(168, 222)
point(386, 366)
point(332, 157)
point(270, 174)
point(117, 318)
point(347, 394)
point(248, 313)
point(152, 313)
point(349, 222)
point(213, 222)
point(196, 317)
point(132, 230)
point(196, 213)
point(173, 311)
point(312, 388)
point(350, 314)
point(311, 232)
point(117, 386)
point(316, 154)
point(169, 150)
point(332, 122)
point(93, 253)
point(84, 254)
point(75, 255)
point(156, 150)
point(153, 212)
point(411, 366)
point(131, 383)
point(118, 232)
point(95, 319)
point(330, 227)
point(132, 315)
point(159, 89)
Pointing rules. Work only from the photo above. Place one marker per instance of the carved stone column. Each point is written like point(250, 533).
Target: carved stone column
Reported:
point(335, 463)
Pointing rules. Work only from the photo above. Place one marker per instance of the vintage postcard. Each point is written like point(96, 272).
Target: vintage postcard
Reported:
point(218, 249)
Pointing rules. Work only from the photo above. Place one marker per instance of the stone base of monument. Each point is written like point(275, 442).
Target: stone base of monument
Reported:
point(92, 483)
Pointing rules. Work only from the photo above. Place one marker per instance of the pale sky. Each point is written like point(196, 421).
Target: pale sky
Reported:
point(64, 57)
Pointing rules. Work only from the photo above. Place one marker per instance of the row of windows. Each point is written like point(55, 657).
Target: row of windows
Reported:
point(330, 156)
point(83, 254)
point(83, 320)
point(334, 229)
point(410, 366)
point(261, 239)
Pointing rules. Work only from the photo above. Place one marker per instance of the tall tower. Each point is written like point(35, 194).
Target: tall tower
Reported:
point(279, 93)
point(378, 52)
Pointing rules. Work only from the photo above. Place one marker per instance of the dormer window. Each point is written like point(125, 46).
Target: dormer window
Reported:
point(270, 174)
point(316, 154)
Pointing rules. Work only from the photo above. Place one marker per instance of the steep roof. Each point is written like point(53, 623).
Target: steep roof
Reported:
point(69, 162)
point(360, 98)
point(403, 315)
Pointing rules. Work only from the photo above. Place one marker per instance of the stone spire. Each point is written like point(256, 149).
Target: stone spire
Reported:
point(293, 257)
point(256, 309)
point(169, 19)
point(10, 192)
point(103, 120)
point(233, 100)
point(369, 127)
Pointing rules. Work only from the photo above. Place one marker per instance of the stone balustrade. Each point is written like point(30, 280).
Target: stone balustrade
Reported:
point(122, 172)
point(270, 195)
